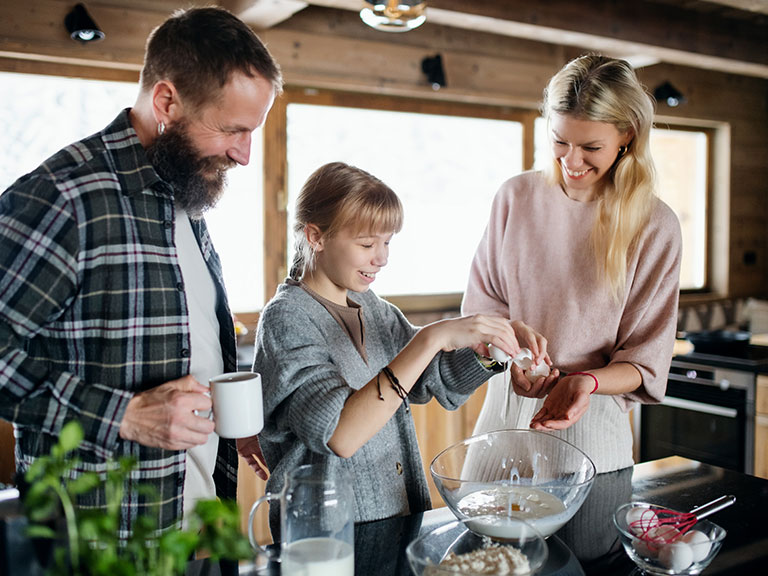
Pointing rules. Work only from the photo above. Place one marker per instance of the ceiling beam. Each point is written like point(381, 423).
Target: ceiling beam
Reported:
point(760, 6)
point(644, 30)
point(263, 14)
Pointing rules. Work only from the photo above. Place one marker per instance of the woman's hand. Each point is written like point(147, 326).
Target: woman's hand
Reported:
point(567, 401)
point(537, 389)
point(535, 342)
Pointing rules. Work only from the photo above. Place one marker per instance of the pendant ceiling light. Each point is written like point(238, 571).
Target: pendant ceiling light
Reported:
point(394, 15)
point(81, 26)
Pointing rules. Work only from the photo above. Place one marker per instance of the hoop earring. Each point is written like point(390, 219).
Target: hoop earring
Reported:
point(160, 128)
point(622, 151)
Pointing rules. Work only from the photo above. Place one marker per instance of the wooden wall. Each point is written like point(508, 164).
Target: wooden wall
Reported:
point(329, 49)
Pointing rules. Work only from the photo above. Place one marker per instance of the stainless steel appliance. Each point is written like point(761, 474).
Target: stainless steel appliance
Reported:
point(708, 413)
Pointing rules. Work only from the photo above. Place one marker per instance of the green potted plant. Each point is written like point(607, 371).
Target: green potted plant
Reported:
point(86, 542)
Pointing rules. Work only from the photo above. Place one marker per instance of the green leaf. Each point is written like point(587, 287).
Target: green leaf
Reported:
point(177, 546)
point(71, 435)
point(89, 528)
point(40, 531)
point(84, 483)
point(213, 527)
point(43, 511)
point(36, 469)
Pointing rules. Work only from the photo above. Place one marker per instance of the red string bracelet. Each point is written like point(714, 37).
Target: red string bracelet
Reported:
point(597, 384)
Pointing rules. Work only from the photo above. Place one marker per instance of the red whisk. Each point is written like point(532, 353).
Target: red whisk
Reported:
point(663, 526)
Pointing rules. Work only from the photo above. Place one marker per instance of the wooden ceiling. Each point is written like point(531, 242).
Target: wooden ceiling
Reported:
point(729, 35)
point(725, 35)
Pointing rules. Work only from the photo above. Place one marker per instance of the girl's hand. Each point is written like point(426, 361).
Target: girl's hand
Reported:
point(250, 449)
point(474, 332)
point(565, 404)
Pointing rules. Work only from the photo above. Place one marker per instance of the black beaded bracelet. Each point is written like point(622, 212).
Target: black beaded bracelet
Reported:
point(401, 392)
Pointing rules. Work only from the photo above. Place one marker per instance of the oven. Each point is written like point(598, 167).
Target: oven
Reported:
point(708, 414)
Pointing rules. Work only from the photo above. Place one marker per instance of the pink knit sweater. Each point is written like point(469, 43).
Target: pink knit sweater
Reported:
point(535, 263)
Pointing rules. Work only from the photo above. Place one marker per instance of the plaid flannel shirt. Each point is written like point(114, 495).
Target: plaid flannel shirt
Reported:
point(93, 309)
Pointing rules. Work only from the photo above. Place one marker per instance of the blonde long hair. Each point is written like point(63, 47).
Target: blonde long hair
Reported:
point(603, 89)
point(337, 196)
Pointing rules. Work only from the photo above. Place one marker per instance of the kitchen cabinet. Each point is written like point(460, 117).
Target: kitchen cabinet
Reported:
point(7, 462)
point(438, 428)
point(761, 427)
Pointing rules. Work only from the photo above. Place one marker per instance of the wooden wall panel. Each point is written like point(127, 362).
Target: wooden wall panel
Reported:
point(438, 428)
point(739, 106)
point(7, 460)
point(331, 50)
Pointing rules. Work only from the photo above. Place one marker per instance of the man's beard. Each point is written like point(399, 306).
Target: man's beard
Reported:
point(198, 182)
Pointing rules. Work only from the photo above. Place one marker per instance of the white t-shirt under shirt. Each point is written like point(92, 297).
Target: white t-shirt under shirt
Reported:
point(206, 357)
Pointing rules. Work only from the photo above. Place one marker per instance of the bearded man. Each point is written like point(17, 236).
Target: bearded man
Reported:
point(112, 306)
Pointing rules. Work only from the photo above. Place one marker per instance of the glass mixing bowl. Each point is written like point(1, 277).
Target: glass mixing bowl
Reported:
point(527, 474)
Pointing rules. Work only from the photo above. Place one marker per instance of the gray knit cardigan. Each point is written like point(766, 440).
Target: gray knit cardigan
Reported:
point(309, 368)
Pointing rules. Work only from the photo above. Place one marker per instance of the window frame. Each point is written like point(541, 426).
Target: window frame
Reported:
point(709, 251)
point(275, 177)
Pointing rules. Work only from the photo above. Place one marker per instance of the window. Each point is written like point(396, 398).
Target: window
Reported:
point(681, 156)
point(682, 164)
point(42, 114)
point(445, 168)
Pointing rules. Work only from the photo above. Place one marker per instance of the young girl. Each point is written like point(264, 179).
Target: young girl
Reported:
point(339, 365)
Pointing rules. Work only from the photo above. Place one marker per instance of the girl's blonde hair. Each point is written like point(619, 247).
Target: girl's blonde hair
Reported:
point(602, 89)
point(339, 196)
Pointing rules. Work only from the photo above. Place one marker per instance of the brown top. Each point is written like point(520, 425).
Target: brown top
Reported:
point(349, 317)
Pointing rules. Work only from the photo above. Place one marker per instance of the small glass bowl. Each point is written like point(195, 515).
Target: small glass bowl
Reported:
point(675, 558)
point(428, 550)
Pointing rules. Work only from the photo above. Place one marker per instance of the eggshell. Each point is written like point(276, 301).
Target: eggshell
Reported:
point(699, 543)
point(640, 519)
point(536, 372)
point(649, 548)
point(662, 534)
point(676, 556)
point(657, 537)
point(524, 358)
point(498, 354)
point(642, 548)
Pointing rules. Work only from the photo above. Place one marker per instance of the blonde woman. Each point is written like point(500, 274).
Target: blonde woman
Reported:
point(586, 254)
point(340, 365)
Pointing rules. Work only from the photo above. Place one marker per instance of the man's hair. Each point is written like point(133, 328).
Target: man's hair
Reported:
point(199, 49)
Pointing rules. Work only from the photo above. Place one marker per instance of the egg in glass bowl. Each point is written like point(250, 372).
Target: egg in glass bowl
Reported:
point(530, 475)
point(657, 546)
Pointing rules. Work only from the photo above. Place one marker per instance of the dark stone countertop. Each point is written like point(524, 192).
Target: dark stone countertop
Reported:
point(753, 358)
point(589, 545)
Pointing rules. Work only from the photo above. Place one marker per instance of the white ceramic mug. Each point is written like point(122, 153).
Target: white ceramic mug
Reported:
point(238, 410)
point(317, 536)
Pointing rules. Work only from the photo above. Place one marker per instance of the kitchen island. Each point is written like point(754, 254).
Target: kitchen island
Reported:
point(588, 545)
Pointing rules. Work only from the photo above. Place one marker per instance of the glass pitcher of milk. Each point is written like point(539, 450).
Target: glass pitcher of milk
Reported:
point(316, 523)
